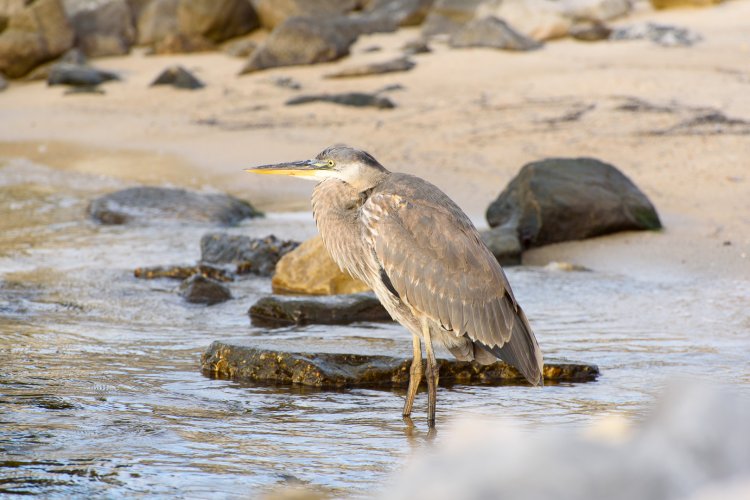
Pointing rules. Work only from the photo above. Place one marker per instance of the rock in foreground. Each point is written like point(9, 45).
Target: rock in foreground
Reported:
point(330, 370)
point(309, 270)
point(279, 310)
point(561, 199)
point(147, 204)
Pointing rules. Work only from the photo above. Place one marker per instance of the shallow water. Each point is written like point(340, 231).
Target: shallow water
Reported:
point(101, 392)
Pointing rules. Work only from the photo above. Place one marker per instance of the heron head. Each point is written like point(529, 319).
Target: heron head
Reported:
point(350, 165)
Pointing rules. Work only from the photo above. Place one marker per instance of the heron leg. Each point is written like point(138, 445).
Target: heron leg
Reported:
point(415, 375)
point(432, 376)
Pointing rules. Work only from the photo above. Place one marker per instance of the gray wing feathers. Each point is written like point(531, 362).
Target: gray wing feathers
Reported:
point(436, 261)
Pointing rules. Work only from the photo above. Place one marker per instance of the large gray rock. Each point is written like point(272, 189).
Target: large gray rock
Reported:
point(103, 27)
point(562, 199)
point(216, 20)
point(491, 32)
point(280, 310)
point(198, 289)
point(148, 204)
point(300, 41)
point(250, 255)
point(401, 12)
point(273, 13)
point(31, 35)
point(333, 370)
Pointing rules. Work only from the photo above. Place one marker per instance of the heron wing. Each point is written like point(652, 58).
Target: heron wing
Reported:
point(436, 262)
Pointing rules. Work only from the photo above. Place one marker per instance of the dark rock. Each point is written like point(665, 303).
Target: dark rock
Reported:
point(493, 33)
point(561, 199)
point(251, 255)
point(418, 46)
point(660, 34)
point(504, 245)
point(198, 289)
point(401, 12)
point(179, 77)
point(590, 32)
point(102, 28)
point(36, 33)
point(273, 13)
point(240, 48)
point(447, 16)
point(332, 370)
point(300, 41)
point(216, 20)
point(77, 75)
point(157, 20)
point(392, 66)
point(182, 272)
point(147, 204)
point(356, 99)
point(280, 310)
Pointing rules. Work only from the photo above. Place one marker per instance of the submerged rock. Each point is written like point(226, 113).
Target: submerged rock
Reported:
point(504, 244)
point(493, 33)
point(182, 272)
point(147, 204)
point(251, 255)
point(392, 66)
point(279, 310)
point(355, 99)
point(332, 370)
point(199, 289)
point(78, 75)
point(179, 77)
point(309, 270)
point(562, 199)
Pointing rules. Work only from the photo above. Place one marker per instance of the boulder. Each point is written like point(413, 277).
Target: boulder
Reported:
point(153, 204)
point(504, 244)
point(309, 270)
point(355, 99)
point(216, 20)
point(182, 272)
point(336, 370)
point(103, 27)
point(300, 41)
point(199, 289)
point(493, 33)
point(401, 12)
point(157, 20)
point(78, 75)
point(279, 310)
point(33, 34)
point(250, 255)
point(446, 16)
point(392, 66)
point(561, 199)
point(179, 77)
point(273, 13)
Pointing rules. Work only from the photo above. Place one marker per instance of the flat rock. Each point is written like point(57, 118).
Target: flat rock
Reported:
point(182, 272)
point(280, 310)
point(103, 27)
point(354, 99)
point(198, 289)
point(37, 32)
point(250, 255)
point(149, 204)
point(335, 370)
point(561, 199)
point(309, 270)
point(491, 32)
point(178, 77)
point(504, 244)
point(392, 66)
point(78, 75)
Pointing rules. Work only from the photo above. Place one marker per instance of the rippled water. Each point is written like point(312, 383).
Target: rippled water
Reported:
point(101, 392)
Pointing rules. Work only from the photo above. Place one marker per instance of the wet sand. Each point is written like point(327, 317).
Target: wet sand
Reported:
point(466, 120)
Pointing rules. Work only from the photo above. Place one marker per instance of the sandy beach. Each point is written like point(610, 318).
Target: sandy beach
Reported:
point(467, 120)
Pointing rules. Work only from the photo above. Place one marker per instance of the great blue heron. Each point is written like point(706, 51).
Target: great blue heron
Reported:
point(423, 258)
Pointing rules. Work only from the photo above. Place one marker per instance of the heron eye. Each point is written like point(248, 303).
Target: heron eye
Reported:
point(330, 163)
